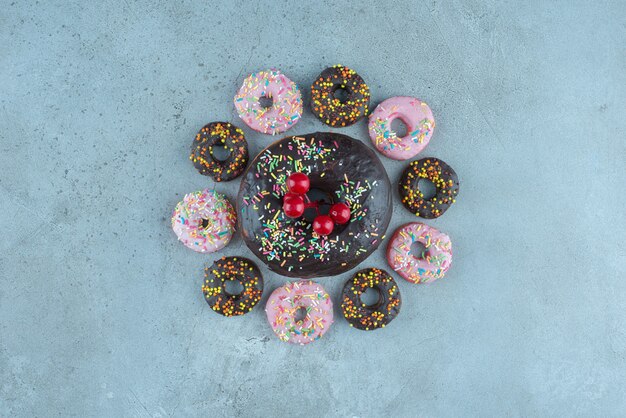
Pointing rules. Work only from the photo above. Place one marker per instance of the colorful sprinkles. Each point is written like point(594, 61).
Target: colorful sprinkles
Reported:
point(290, 246)
point(330, 109)
point(381, 313)
point(232, 268)
point(225, 135)
point(273, 86)
point(204, 221)
point(300, 312)
point(423, 268)
point(417, 117)
point(441, 175)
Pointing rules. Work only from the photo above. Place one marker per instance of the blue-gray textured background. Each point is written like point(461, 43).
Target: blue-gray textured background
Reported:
point(101, 312)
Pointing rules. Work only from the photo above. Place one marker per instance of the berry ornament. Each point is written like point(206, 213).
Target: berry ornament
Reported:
point(323, 224)
point(298, 183)
point(340, 213)
point(293, 205)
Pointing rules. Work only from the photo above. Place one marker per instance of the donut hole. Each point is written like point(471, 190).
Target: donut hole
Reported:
point(204, 223)
point(398, 127)
point(233, 287)
point(325, 201)
point(300, 314)
point(266, 102)
point(341, 94)
point(418, 250)
point(370, 297)
point(427, 188)
point(220, 152)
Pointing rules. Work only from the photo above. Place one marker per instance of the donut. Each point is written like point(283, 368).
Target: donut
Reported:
point(204, 221)
point(441, 175)
point(283, 94)
point(300, 312)
point(370, 317)
point(232, 268)
point(330, 109)
point(225, 135)
point(424, 268)
point(417, 117)
point(343, 170)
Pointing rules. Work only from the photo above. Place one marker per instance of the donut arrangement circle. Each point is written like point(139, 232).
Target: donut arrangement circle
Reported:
point(316, 205)
point(220, 134)
point(238, 269)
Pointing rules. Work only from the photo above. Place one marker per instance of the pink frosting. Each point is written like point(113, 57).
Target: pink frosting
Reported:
point(417, 117)
point(286, 108)
point(212, 209)
point(285, 302)
point(419, 270)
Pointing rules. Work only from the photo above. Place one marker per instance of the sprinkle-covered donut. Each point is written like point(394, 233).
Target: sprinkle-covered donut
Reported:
point(232, 268)
point(417, 117)
point(330, 109)
point(381, 313)
point(340, 168)
point(204, 221)
point(284, 102)
point(421, 268)
point(300, 312)
point(220, 134)
point(441, 175)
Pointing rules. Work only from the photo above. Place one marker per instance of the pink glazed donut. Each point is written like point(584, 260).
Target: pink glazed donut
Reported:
point(204, 221)
point(286, 102)
point(300, 312)
point(428, 267)
point(417, 117)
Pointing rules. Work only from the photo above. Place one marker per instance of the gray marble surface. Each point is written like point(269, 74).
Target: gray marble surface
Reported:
point(101, 312)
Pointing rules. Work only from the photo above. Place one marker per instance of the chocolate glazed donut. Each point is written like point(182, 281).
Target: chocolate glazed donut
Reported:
point(329, 109)
point(220, 134)
point(343, 170)
point(381, 313)
point(441, 175)
point(232, 268)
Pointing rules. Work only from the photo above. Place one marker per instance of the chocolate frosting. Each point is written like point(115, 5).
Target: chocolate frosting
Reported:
point(381, 313)
point(339, 166)
point(441, 175)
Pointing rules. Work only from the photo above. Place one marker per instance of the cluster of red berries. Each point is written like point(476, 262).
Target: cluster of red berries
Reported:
point(294, 205)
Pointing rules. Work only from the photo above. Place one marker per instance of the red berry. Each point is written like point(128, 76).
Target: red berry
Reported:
point(340, 213)
point(323, 224)
point(298, 183)
point(293, 205)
